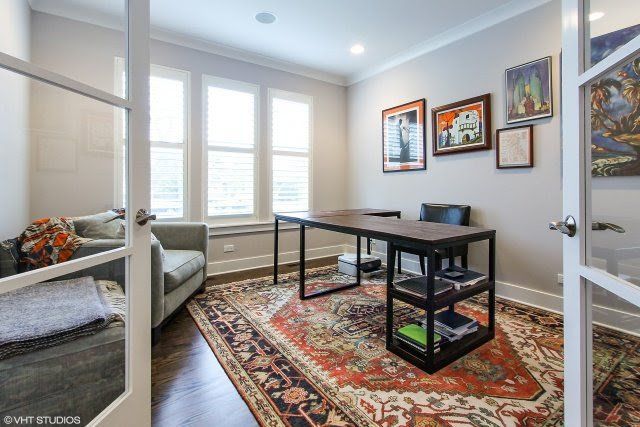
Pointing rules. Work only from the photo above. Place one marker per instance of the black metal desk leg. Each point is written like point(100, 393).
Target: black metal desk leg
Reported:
point(399, 257)
point(302, 261)
point(368, 246)
point(452, 263)
point(492, 277)
point(391, 258)
point(275, 252)
point(358, 249)
point(431, 277)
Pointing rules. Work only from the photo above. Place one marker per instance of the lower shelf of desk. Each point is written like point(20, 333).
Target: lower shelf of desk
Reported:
point(450, 352)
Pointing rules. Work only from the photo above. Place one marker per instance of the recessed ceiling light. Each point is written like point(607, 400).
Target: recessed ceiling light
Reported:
point(357, 49)
point(594, 16)
point(265, 17)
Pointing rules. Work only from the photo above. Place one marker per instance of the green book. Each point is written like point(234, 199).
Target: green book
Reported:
point(418, 334)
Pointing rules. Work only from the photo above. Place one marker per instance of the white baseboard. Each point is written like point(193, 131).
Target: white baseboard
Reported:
point(233, 265)
point(605, 316)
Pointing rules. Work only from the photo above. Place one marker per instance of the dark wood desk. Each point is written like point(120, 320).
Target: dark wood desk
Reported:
point(427, 236)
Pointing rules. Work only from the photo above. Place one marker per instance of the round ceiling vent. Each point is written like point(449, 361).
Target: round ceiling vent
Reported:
point(265, 18)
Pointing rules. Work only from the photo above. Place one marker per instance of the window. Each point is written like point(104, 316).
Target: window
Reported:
point(290, 128)
point(169, 95)
point(231, 134)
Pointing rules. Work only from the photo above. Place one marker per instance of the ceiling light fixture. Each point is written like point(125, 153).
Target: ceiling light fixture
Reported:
point(357, 49)
point(594, 16)
point(265, 17)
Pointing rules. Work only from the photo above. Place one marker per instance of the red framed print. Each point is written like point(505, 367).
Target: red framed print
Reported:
point(403, 137)
point(462, 126)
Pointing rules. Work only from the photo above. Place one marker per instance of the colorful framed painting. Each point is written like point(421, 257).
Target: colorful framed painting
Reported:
point(462, 126)
point(403, 137)
point(615, 110)
point(514, 147)
point(528, 89)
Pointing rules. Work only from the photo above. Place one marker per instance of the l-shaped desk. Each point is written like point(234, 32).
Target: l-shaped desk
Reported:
point(426, 236)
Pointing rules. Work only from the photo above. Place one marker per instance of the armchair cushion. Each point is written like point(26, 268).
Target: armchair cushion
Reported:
point(180, 265)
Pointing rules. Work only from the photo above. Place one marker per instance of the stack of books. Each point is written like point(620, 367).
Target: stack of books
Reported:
point(415, 336)
point(452, 325)
point(417, 286)
point(460, 277)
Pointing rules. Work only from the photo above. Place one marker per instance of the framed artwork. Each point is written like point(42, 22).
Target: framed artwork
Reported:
point(462, 126)
point(403, 137)
point(528, 89)
point(514, 147)
point(615, 110)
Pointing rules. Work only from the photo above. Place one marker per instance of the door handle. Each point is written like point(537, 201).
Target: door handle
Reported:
point(143, 216)
point(600, 226)
point(568, 226)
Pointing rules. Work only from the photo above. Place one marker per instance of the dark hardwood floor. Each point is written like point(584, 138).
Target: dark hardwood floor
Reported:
point(189, 387)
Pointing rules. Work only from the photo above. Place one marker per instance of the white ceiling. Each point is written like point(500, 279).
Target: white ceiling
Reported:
point(311, 37)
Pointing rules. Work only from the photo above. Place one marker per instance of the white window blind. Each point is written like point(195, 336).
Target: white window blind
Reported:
point(290, 147)
point(169, 95)
point(231, 134)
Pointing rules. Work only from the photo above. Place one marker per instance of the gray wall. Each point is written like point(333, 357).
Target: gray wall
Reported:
point(14, 117)
point(86, 52)
point(517, 203)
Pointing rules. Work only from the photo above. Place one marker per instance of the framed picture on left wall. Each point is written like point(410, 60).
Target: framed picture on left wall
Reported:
point(403, 137)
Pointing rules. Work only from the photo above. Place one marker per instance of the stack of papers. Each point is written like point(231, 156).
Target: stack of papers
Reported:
point(453, 325)
point(416, 337)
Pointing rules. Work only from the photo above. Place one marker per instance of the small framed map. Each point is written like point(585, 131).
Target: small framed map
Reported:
point(514, 147)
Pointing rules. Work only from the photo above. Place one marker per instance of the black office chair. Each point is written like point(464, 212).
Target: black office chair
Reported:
point(444, 214)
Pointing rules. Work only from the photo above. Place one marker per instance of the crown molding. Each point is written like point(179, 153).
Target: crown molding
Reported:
point(459, 32)
point(245, 56)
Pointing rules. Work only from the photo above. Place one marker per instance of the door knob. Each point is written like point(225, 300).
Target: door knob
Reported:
point(143, 216)
point(600, 226)
point(568, 226)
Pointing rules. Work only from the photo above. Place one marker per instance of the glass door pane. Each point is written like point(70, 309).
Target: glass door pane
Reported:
point(615, 359)
point(613, 140)
point(78, 39)
point(609, 25)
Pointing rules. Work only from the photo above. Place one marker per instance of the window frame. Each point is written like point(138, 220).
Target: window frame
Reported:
point(161, 71)
point(294, 97)
point(239, 86)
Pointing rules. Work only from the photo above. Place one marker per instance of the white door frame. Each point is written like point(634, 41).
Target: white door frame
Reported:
point(133, 407)
point(576, 185)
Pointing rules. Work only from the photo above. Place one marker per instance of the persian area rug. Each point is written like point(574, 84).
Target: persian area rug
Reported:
point(323, 362)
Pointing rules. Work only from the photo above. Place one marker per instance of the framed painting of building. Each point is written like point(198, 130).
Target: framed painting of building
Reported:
point(403, 137)
point(528, 91)
point(462, 126)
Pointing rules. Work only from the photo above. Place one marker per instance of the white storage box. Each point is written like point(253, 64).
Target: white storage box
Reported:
point(369, 264)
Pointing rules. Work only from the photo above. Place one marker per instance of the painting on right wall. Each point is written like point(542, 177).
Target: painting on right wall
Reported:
point(615, 110)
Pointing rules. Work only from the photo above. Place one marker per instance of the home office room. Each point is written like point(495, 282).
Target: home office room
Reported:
point(319, 213)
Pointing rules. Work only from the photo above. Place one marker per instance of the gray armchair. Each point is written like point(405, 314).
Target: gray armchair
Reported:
point(178, 266)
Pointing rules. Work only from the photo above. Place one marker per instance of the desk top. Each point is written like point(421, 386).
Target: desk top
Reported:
point(393, 229)
point(294, 216)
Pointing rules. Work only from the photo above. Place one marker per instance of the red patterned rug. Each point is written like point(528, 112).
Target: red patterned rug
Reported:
point(323, 362)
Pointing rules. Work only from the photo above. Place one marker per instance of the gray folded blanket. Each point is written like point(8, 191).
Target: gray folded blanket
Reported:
point(51, 313)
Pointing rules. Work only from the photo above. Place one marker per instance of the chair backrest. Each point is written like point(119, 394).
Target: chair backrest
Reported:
point(445, 214)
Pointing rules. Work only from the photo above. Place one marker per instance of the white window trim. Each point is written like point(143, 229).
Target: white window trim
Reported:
point(161, 71)
point(296, 97)
point(240, 86)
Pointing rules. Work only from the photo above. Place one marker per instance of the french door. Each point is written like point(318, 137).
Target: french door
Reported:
point(601, 187)
point(68, 124)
